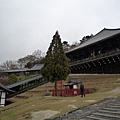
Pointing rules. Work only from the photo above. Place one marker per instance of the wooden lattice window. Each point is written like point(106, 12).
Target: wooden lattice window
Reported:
point(2, 98)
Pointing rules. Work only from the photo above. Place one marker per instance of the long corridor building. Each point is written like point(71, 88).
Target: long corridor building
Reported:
point(99, 54)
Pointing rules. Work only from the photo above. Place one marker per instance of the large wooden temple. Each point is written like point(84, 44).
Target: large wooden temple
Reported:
point(99, 54)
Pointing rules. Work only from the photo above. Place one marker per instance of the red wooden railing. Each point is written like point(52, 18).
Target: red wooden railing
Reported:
point(68, 92)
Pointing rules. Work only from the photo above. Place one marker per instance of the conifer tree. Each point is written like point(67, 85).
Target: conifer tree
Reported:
point(56, 63)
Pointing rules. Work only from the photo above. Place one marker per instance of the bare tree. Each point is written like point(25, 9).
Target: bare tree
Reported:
point(9, 64)
point(23, 61)
point(37, 54)
point(85, 38)
point(74, 44)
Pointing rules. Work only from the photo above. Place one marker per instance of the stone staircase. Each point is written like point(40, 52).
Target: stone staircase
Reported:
point(108, 109)
point(110, 112)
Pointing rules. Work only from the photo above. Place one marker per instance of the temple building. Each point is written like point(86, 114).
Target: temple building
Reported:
point(100, 54)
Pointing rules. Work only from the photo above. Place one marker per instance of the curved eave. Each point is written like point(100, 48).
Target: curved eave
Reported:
point(102, 35)
point(3, 87)
point(24, 81)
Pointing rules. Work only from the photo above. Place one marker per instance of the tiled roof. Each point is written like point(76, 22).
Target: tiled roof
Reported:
point(5, 88)
point(36, 67)
point(102, 35)
point(73, 80)
point(17, 70)
point(24, 81)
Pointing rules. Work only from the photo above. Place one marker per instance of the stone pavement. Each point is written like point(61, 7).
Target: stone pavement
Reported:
point(108, 109)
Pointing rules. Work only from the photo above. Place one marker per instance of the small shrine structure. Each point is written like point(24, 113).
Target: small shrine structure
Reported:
point(70, 88)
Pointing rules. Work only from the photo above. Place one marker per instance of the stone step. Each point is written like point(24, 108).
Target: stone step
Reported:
point(85, 119)
point(111, 109)
point(92, 117)
point(106, 115)
point(110, 112)
point(113, 106)
point(106, 110)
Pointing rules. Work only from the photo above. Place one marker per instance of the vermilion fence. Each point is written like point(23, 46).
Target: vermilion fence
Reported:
point(68, 92)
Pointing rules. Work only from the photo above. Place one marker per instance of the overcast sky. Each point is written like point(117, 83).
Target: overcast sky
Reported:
point(29, 25)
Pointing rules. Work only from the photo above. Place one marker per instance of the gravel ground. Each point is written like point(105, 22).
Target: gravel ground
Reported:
point(42, 115)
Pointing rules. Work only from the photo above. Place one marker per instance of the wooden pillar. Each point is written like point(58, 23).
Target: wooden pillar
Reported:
point(58, 82)
point(93, 53)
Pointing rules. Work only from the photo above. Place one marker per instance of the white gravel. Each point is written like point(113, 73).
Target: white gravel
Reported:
point(41, 115)
point(90, 101)
point(115, 91)
point(73, 106)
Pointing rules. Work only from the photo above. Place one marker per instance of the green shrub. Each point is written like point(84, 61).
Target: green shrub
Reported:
point(92, 90)
point(13, 78)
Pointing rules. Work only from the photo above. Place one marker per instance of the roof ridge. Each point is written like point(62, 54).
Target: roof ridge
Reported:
point(101, 35)
point(97, 34)
point(103, 30)
point(111, 28)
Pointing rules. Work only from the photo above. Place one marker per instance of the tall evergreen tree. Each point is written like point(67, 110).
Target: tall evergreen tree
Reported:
point(56, 63)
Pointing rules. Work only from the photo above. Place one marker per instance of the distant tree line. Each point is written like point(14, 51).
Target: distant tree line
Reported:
point(67, 46)
point(28, 61)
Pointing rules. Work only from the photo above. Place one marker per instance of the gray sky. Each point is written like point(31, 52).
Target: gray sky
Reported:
point(28, 25)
